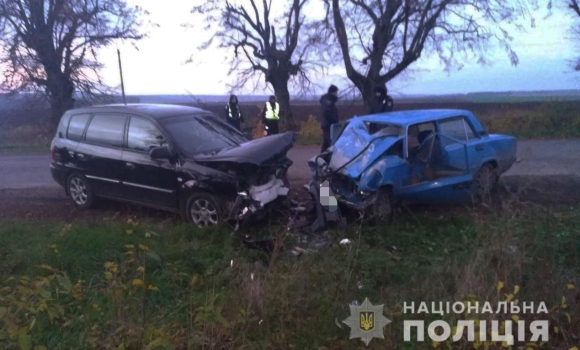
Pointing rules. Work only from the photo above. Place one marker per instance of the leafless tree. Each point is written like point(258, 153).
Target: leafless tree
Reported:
point(574, 5)
point(51, 45)
point(278, 49)
point(380, 39)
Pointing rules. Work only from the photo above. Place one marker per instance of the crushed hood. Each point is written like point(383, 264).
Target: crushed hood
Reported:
point(258, 152)
point(353, 140)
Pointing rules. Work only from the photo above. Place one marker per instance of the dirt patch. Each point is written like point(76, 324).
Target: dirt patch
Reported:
point(51, 204)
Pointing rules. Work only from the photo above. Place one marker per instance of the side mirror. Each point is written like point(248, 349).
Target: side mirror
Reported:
point(161, 153)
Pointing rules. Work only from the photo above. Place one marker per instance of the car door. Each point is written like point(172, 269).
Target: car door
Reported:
point(99, 153)
point(462, 147)
point(431, 178)
point(147, 180)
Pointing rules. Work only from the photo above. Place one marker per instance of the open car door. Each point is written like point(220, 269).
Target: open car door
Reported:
point(432, 178)
point(336, 131)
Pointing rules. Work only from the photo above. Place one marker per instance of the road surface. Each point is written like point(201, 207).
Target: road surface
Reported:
point(535, 158)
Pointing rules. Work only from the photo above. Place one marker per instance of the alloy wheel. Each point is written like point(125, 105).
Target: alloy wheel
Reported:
point(204, 213)
point(78, 191)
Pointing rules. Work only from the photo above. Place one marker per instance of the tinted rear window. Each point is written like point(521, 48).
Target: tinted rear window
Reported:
point(106, 130)
point(76, 127)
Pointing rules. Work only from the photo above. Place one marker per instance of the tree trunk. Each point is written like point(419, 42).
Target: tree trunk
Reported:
point(367, 90)
point(60, 93)
point(283, 96)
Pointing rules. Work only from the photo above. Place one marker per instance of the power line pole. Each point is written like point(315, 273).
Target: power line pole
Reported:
point(121, 73)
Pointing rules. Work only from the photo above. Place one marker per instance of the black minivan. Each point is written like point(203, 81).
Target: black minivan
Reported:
point(176, 158)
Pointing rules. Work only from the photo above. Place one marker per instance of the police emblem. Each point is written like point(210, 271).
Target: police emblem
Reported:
point(366, 321)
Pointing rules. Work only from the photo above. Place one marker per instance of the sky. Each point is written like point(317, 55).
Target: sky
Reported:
point(159, 65)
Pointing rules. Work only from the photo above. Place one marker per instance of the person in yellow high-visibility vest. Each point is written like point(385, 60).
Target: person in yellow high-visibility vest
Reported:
point(271, 116)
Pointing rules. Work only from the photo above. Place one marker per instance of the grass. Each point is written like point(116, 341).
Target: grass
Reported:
point(130, 285)
point(24, 139)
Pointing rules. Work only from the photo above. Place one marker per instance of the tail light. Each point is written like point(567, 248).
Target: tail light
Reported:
point(52, 160)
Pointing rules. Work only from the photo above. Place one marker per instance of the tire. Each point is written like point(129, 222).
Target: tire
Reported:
point(383, 210)
point(80, 191)
point(204, 210)
point(485, 181)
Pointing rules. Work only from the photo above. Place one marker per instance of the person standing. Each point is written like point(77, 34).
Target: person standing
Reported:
point(271, 116)
point(233, 114)
point(329, 115)
point(382, 101)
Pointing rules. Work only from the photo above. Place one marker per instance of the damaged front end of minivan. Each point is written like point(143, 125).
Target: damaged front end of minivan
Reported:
point(246, 180)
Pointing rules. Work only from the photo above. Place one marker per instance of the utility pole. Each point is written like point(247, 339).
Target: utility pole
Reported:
point(121, 72)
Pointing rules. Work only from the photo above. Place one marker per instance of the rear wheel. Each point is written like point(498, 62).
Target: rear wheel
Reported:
point(80, 191)
point(204, 210)
point(485, 181)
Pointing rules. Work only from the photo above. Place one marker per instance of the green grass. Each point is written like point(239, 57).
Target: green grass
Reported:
point(8, 149)
point(206, 297)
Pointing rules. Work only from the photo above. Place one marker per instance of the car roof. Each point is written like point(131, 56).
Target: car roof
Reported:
point(156, 111)
point(406, 118)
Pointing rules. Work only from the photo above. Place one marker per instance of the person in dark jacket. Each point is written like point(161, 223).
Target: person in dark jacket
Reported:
point(382, 102)
point(271, 116)
point(329, 114)
point(232, 112)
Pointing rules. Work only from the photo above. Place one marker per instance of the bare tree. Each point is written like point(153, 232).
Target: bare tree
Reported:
point(51, 45)
point(379, 39)
point(278, 49)
point(573, 5)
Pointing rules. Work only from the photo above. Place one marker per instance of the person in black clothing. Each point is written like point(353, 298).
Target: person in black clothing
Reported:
point(382, 102)
point(329, 114)
point(232, 112)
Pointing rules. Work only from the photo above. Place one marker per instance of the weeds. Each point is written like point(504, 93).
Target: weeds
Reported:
point(134, 285)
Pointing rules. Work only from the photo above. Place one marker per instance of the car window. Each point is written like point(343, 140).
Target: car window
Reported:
point(76, 126)
point(418, 133)
point(457, 128)
point(143, 135)
point(106, 130)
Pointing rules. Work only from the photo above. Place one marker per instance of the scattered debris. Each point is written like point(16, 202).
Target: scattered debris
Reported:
point(345, 241)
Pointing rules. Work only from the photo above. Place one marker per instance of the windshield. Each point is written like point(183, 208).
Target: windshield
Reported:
point(354, 140)
point(201, 134)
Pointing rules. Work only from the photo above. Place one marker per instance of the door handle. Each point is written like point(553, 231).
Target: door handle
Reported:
point(130, 165)
point(479, 147)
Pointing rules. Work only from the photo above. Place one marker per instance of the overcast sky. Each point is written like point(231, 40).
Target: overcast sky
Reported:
point(159, 66)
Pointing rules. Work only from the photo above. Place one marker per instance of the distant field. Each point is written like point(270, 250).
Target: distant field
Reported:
point(25, 129)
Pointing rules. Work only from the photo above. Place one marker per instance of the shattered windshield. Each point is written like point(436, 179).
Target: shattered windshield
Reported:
point(201, 134)
point(354, 140)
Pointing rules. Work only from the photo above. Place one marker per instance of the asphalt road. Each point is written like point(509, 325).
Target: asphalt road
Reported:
point(535, 158)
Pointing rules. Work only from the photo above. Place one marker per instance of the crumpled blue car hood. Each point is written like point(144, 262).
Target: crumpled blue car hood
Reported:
point(353, 141)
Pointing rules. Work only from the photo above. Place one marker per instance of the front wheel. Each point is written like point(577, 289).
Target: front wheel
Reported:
point(80, 191)
point(383, 210)
point(204, 210)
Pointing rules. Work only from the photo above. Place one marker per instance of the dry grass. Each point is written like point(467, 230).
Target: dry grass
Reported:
point(206, 290)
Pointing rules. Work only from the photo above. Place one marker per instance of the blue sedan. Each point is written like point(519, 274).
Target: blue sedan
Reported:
point(426, 156)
